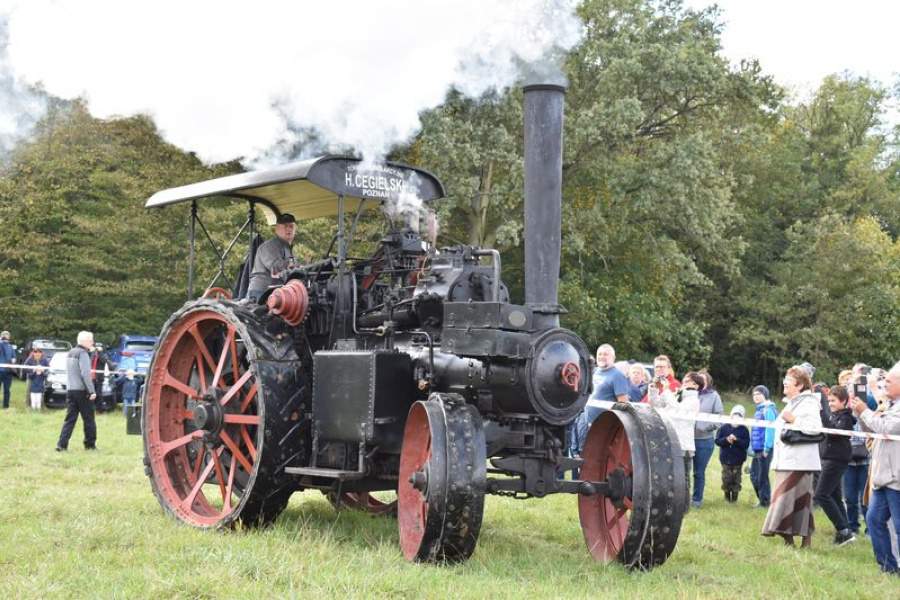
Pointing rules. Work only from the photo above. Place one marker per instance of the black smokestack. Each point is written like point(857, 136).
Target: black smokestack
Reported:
point(543, 108)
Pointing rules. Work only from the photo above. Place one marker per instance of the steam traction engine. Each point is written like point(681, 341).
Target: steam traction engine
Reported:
point(409, 371)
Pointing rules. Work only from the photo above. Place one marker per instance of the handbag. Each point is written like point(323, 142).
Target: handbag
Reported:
point(793, 437)
point(858, 452)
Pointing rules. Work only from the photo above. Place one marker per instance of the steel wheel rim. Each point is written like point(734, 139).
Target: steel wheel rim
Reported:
point(605, 526)
point(412, 505)
point(190, 371)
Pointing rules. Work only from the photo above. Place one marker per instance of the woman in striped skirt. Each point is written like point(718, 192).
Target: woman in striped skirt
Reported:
point(790, 510)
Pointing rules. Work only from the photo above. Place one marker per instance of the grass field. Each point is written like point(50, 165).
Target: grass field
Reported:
point(86, 525)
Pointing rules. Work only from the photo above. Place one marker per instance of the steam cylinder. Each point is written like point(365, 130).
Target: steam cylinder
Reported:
point(543, 108)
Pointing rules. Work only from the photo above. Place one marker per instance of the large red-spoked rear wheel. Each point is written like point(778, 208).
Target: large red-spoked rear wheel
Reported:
point(222, 417)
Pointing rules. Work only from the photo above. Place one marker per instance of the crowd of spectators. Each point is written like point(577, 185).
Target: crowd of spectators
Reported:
point(849, 477)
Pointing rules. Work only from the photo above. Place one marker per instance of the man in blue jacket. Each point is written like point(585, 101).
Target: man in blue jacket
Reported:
point(7, 356)
point(762, 440)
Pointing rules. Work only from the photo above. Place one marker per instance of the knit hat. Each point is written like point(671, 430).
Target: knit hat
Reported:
point(762, 390)
point(737, 410)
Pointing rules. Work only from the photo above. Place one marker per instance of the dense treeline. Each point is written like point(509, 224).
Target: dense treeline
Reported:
point(706, 214)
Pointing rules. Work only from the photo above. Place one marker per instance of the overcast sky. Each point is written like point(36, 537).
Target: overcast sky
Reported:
point(802, 41)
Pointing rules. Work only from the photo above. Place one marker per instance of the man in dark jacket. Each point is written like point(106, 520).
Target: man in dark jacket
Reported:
point(733, 441)
point(7, 356)
point(835, 457)
point(80, 394)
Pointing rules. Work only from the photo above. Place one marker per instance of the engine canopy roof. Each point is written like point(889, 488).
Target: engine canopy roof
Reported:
point(310, 188)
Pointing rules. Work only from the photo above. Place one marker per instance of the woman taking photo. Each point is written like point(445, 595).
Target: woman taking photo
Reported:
point(796, 458)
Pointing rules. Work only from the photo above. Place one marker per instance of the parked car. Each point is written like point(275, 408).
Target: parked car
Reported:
point(55, 386)
point(131, 352)
point(137, 348)
point(47, 345)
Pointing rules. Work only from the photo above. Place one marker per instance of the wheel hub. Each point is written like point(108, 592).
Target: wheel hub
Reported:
point(209, 416)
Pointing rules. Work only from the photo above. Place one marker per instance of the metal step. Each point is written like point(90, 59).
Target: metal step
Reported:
point(320, 472)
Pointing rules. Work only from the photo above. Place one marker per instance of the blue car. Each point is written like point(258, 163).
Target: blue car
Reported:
point(132, 352)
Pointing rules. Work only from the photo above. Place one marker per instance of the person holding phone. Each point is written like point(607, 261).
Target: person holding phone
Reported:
point(884, 500)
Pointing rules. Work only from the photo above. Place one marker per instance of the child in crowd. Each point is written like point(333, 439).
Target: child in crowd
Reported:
point(835, 456)
point(733, 441)
point(762, 440)
point(36, 377)
point(129, 390)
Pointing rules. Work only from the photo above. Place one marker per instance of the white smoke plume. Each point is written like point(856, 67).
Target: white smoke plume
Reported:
point(229, 79)
point(20, 106)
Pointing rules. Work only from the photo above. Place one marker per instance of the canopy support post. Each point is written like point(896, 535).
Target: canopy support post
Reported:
point(190, 286)
point(341, 248)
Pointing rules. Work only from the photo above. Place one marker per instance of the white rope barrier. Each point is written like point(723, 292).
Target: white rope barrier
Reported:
point(722, 419)
point(105, 370)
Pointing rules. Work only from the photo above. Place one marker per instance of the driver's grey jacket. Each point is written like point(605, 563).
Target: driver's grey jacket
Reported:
point(272, 256)
point(78, 371)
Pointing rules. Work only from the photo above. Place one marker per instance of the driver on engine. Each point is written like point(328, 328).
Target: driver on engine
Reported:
point(272, 257)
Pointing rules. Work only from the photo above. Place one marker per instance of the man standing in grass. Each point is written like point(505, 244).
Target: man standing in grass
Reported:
point(884, 501)
point(80, 394)
point(7, 355)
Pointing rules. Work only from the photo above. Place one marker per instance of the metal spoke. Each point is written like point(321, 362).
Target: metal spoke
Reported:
point(201, 345)
point(242, 419)
point(234, 389)
point(180, 386)
point(199, 463)
point(188, 501)
point(201, 370)
point(217, 376)
point(236, 452)
point(220, 474)
point(230, 487)
point(245, 435)
point(167, 447)
point(251, 393)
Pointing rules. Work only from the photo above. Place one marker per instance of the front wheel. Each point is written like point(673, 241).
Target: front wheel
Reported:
point(440, 496)
point(640, 529)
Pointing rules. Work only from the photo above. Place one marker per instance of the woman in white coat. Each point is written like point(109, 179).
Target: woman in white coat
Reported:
point(790, 510)
point(681, 409)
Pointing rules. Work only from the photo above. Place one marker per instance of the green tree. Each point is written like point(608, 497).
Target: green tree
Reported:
point(79, 251)
point(834, 299)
